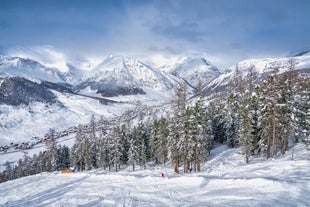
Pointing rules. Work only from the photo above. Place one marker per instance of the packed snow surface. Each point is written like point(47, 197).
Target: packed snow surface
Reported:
point(225, 180)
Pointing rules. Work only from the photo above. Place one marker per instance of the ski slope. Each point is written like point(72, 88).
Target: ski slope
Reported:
point(225, 181)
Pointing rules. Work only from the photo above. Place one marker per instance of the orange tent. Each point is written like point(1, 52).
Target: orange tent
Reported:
point(65, 171)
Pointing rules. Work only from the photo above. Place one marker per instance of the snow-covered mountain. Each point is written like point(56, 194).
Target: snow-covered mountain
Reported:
point(24, 80)
point(124, 76)
point(196, 70)
point(261, 67)
point(34, 98)
point(73, 75)
point(29, 69)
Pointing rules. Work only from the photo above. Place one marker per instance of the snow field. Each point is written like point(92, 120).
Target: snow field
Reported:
point(225, 180)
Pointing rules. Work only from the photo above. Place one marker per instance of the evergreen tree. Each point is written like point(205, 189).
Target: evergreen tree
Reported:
point(232, 119)
point(160, 143)
point(80, 156)
point(176, 137)
point(218, 122)
point(249, 131)
point(116, 147)
point(132, 153)
point(269, 114)
point(50, 141)
point(93, 143)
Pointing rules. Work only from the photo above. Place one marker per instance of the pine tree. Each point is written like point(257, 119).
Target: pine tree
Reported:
point(80, 157)
point(249, 130)
point(269, 113)
point(116, 147)
point(132, 153)
point(218, 122)
point(93, 143)
point(50, 141)
point(142, 153)
point(232, 119)
point(302, 107)
point(158, 141)
point(154, 131)
point(176, 137)
point(104, 150)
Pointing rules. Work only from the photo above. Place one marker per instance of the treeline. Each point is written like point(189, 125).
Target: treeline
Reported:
point(262, 115)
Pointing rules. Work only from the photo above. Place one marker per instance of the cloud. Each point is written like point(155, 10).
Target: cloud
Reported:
point(226, 30)
point(47, 55)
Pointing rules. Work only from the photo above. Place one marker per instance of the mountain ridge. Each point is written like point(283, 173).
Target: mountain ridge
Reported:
point(146, 86)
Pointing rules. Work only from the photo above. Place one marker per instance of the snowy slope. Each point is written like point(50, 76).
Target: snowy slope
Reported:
point(21, 123)
point(225, 181)
point(29, 69)
point(74, 74)
point(196, 70)
point(261, 66)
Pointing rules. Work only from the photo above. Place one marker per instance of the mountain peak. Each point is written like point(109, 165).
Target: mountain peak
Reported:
point(117, 75)
point(29, 69)
point(299, 53)
point(195, 70)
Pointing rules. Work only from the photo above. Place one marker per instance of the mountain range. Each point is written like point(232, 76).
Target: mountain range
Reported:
point(35, 98)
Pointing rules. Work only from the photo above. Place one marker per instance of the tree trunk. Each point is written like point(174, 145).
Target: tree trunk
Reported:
point(176, 165)
point(198, 165)
point(273, 133)
point(195, 163)
point(186, 166)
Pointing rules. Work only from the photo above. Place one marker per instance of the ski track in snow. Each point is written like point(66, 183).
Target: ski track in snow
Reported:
point(225, 180)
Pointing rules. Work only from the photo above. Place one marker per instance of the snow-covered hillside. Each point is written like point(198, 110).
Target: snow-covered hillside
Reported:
point(31, 102)
point(22, 123)
point(196, 70)
point(225, 180)
point(260, 66)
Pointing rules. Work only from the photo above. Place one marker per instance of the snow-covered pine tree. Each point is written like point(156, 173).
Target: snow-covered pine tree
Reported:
point(80, 158)
point(125, 143)
point(63, 157)
point(198, 144)
point(104, 150)
point(218, 121)
point(286, 106)
point(132, 154)
point(93, 141)
point(142, 153)
point(302, 105)
point(176, 137)
point(232, 119)
point(248, 124)
point(249, 129)
point(116, 147)
point(50, 142)
point(269, 116)
point(141, 141)
point(190, 151)
point(154, 131)
point(208, 130)
point(161, 143)
point(158, 140)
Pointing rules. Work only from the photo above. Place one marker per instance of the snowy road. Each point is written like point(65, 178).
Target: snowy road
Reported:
point(228, 182)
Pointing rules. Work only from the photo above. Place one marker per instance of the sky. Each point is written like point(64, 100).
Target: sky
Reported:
point(223, 31)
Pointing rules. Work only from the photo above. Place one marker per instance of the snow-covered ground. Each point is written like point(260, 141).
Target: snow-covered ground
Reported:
point(224, 181)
